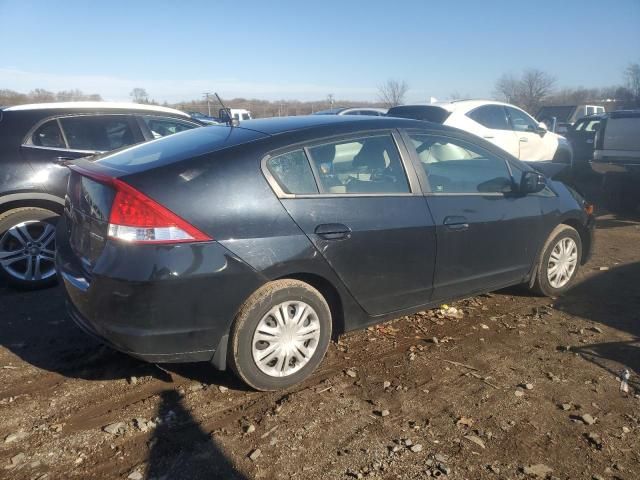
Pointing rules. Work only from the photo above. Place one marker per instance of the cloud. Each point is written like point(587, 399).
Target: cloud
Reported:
point(117, 88)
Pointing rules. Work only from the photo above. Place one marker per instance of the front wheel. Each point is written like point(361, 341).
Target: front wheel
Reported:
point(280, 335)
point(559, 262)
point(27, 247)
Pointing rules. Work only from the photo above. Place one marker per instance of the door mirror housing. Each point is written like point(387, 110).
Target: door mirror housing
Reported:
point(532, 182)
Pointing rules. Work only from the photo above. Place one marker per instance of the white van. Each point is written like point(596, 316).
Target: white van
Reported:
point(238, 114)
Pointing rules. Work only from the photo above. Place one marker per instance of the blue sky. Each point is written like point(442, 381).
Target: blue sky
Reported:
point(306, 50)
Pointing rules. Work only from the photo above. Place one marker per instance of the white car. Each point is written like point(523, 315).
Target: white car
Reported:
point(504, 125)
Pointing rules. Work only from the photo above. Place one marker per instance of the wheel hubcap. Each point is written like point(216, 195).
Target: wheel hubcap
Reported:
point(27, 251)
point(285, 339)
point(562, 262)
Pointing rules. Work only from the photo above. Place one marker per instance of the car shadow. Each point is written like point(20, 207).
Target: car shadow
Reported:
point(35, 327)
point(181, 449)
point(611, 298)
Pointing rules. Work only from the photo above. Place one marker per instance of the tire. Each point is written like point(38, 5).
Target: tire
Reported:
point(545, 283)
point(260, 314)
point(27, 247)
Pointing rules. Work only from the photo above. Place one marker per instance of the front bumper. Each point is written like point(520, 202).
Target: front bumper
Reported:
point(157, 303)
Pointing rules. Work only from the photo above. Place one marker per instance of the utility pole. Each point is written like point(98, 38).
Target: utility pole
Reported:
point(206, 95)
point(330, 99)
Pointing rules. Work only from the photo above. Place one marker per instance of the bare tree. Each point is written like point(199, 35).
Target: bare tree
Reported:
point(632, 74)
point(536, 85)
point(392, 92)
point(139, 95)
point(507, 88)
point(528, 92)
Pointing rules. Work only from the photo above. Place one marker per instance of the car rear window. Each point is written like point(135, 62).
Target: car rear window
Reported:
point(430, 113)
point(177, 147)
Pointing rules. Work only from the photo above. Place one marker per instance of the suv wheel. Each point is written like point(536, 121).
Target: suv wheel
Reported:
point(27, 247)
point(280, 335)
point(559, 262)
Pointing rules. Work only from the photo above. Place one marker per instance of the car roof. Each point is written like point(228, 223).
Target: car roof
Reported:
point(99, 106)
point(278, 125)
point(463, 105)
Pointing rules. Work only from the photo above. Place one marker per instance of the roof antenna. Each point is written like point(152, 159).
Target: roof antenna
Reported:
point(232, 122)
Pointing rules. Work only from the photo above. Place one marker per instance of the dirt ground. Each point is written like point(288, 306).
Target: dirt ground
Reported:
point(518, 387)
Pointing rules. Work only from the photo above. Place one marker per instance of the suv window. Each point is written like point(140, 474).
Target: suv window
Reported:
point(48, 135)
point(520, 121)
point(453, 166)
point(161, 127)
point(491, 116)
point(293, 172)
point(363, 165)
point(97, 133)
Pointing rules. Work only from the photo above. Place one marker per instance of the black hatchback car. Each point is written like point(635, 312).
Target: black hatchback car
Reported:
point(249, 246)
point(35, 141)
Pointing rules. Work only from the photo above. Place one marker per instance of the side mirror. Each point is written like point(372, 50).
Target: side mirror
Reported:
point(543, 126)
point(532, 182)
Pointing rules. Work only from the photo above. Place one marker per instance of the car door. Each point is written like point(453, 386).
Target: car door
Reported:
point(493, 125)
point(487, 234)
point(362, 208)
point(582, 136)
point(531, 142)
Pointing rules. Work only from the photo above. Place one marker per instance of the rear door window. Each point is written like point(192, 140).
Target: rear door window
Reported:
point(369, 165)
point(454, 166)
point(99, 133)
point(491, 116)
point(293, 173)
point(48, 135)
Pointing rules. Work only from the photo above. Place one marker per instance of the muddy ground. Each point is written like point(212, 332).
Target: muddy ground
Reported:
point(518, 386)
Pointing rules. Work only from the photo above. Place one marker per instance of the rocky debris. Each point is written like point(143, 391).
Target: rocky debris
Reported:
point(196, 387)
point(594, 439)
point(416, 448)
point(255, 454)
point(223, 389)
point(16, 460)
point(596, 329)
point(132, 380)
point(586, 418)
point(539, 470)
point(249, 429)
point(477, 440)
point(56, 427)
point(135, 475)
point(382, 413)
point(565, 406)
point(116, 428)
point(386, 384)
point(519, 393)
point(351, 373)
point(527, 386)
point(15, 437)
point(464, 422)
point(143, 425)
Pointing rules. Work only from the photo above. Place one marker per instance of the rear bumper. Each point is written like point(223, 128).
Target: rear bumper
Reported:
point(157, 303)
point(625, 168)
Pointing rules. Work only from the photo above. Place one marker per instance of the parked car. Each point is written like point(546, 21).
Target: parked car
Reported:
point(504, 125)
point(560, 118)
point(581, 136)
point(369, 111)
point(35, 141)
point(251, 246)
point(201, 117)
point(617, 157)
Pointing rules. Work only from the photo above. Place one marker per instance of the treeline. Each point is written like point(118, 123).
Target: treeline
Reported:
point(40, 95)
point(266, 108)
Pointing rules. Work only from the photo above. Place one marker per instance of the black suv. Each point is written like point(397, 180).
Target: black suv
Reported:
point(35, 142)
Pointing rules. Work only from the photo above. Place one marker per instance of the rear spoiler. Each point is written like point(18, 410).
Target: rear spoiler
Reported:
point(549, 169)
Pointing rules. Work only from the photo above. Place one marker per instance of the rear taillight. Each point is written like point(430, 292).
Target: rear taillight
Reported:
point(136, 218)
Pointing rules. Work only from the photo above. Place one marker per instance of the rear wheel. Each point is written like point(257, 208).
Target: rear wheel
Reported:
point(559, 262)
point(27, 247)
point(280, 335)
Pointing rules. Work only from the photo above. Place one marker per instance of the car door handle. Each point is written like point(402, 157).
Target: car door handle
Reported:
point(332, 231)
point(524, 139)
point(489, 137)
point(64, 159)
point(456, 223)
